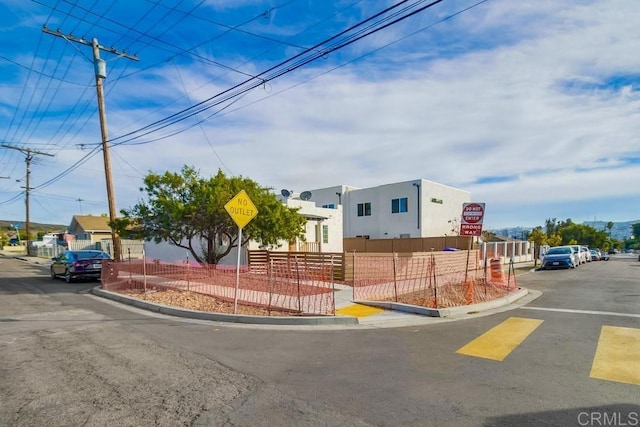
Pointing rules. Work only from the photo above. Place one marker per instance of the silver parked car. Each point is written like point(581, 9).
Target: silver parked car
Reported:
point(560, 257)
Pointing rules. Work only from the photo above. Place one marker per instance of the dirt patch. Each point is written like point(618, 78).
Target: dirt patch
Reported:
point(200, 302)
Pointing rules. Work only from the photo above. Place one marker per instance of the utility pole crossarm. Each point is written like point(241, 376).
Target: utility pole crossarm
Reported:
point(27, 151)
point(72, 38)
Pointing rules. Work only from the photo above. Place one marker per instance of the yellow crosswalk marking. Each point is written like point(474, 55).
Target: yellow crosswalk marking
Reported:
point(617, 356)
point(358, 310)
point(498, 342)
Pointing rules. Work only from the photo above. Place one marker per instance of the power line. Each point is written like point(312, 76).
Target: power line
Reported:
point(72, 116)
point(315, 52)
point(272, 73)
point(160, 40)
point(129, 141)
point(49, 76)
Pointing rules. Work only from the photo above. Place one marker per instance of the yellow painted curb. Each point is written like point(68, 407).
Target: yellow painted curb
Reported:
point(358, 310)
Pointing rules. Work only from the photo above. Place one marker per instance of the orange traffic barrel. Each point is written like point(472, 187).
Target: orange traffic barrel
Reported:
point(497, 271)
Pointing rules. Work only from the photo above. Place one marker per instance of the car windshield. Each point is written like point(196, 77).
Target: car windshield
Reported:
point(557, 251)
point(88, 255)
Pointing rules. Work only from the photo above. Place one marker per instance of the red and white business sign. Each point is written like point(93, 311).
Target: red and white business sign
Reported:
point(472, 216)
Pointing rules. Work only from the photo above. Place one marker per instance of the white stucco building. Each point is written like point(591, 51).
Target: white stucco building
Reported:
point(323, 230)
point(416, 208)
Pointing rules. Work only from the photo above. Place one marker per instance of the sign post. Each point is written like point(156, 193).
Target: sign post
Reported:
point(242, 211)
point(16, 226)
point(471, 225)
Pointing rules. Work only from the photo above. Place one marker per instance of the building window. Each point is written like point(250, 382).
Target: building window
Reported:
point(399, 205)
point(329, 206)
point(364, 209)
point(434, 200)
point(325, 234)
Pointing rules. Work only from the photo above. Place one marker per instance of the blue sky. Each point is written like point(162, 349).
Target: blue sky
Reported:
point(533, 107)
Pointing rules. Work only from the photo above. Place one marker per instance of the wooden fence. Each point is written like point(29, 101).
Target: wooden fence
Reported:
point(259, 261)
point(410, 244)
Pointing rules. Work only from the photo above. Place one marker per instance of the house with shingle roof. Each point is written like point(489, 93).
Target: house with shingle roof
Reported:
point(89, 227)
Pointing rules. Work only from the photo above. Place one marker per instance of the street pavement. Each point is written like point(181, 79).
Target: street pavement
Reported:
point(569, 357)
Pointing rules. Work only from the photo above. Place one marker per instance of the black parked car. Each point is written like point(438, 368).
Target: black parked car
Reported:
point(84, 264)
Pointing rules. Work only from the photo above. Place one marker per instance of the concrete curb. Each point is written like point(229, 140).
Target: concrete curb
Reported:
point(450, 311)
point(231, 318)
point(26, 258)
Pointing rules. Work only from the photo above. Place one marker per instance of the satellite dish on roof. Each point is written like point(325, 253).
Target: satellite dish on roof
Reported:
point(285, 193)
point(305, 195)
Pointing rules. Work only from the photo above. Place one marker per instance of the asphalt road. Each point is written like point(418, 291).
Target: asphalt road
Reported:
point(71, 358)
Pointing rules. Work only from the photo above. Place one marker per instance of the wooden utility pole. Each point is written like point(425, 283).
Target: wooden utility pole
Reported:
point(28, 157)
point(101, 73)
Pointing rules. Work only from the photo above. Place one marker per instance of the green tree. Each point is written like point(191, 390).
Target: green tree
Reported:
point(187, 211)
point(539, 238)
point(554, 240)
point(569, 233)
point(551, 226)
point(634, 241)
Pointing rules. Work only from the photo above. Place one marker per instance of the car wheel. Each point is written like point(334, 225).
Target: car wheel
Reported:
point(67, 276)
point(53, 273)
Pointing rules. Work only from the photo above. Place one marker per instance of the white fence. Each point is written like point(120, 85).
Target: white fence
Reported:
point(520, 251)
point(48, 251)
point(130, 249)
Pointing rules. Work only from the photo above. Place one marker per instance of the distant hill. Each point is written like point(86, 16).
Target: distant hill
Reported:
point(34, 227)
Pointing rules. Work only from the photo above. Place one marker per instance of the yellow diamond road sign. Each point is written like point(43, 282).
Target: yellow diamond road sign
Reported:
point(241, 209)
